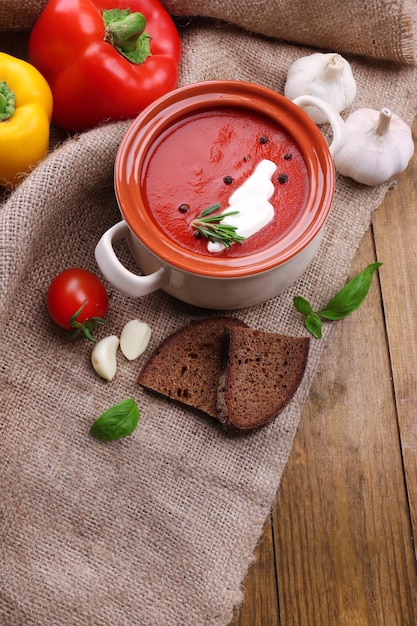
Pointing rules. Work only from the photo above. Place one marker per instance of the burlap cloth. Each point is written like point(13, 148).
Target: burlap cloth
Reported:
point(159, 528)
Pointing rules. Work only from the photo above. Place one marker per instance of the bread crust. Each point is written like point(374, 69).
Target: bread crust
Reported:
point(260, 373)
point(240, 376)
point(185, 366)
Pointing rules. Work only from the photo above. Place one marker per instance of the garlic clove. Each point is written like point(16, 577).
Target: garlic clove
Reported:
point(325, 75)
point(134, 339)
point(103, 357)
point(377, 145)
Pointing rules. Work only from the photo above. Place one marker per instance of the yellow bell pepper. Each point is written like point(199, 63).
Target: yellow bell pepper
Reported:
point(25, 117)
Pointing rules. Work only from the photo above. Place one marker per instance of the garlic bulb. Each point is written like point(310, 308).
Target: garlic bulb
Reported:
point(325, 75)
point(377, 145)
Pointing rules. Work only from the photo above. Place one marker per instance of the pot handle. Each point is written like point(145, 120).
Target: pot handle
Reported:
point(334, 118)
point(117, 274)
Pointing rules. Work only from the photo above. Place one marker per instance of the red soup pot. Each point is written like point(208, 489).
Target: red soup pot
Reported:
point(193, 147)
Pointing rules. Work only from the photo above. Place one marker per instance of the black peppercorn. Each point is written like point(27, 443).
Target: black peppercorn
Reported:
point(263, 139)
point(183, 208)
point(287, 156)
point(228, 180)
point(282, 178)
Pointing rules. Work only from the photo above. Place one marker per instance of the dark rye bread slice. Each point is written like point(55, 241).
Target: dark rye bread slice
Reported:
point(260, 373)
point(185, 367)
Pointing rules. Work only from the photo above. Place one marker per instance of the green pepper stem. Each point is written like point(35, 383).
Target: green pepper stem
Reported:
point(7, 101)
point(126, 32)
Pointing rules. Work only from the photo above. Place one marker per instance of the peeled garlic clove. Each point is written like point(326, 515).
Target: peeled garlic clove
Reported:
point(134, 339)
point(325, 75)
point(377, 145)
point(103, 357)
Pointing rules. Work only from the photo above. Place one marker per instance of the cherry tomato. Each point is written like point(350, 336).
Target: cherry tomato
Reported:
point(77, 301)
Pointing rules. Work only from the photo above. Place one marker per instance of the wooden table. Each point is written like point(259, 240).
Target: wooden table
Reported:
point(339, 546)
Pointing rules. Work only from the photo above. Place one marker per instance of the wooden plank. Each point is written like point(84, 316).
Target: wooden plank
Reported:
point(342, 527)
point(343, 537)
point(395, 226)
point(260, 606)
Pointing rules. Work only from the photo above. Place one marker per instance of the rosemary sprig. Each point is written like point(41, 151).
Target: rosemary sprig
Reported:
point(210, 226)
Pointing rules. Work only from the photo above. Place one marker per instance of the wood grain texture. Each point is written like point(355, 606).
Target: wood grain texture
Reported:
point(261, 595)
point(345, 523)
point(395, 230)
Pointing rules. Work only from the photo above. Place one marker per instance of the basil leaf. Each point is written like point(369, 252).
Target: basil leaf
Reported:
point(348, 299)
point(302, 305)
point(313, 324)
point(118, 421)
point(341, 305)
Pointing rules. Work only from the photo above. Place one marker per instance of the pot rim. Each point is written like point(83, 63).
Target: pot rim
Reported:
point(215, 94)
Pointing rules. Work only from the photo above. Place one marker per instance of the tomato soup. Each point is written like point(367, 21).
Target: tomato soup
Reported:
point(202, 159)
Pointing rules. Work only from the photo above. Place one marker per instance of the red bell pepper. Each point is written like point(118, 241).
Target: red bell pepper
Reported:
point(104, 60)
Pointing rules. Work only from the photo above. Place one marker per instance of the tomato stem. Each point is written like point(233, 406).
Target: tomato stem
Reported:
point(85, 328)
point(7, 101)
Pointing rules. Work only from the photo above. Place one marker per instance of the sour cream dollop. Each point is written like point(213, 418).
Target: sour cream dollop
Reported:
point(251, 201)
